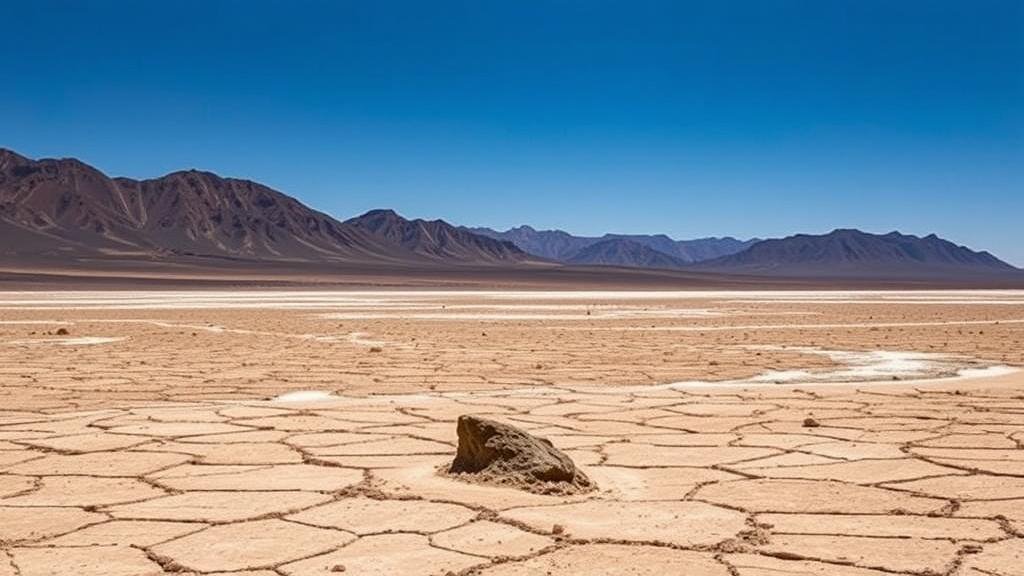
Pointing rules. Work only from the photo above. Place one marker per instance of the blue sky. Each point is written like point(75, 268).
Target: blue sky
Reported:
point(756, 118)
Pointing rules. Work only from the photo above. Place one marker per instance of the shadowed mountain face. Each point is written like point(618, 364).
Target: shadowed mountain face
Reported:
point(435, 238)
point(551, 244)
point(855, 253)
point(689, 250)
point(564, 247)
point(65, 207)
point(624, 252)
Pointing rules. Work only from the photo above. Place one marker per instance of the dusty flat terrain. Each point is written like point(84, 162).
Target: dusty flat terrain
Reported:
point(300, 432)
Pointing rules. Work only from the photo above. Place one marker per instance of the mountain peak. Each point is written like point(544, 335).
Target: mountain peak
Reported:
point(850, 252)
point(627, 252)
point(564, 247)
point(436, 238)
point(68, 208)
point(8, 154)
point(10, 159)
point(377, 212)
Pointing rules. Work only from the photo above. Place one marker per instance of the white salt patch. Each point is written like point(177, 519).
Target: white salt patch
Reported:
point(880, 301)
point(855, 367)
point(766, 295)
point(444, 316)
point(865, 366)
point(44, 322)
point(831, 326)
point(301, 299)
point(305, 396)
point(82, 341)
point(360, 338)
point(879, 364)
point(616, 314)
point(782, 376)
point(987, 372)
point(88, 340)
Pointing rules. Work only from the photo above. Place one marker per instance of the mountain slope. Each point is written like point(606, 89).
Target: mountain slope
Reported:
point(63, 207)
point(435, 238)
point(696, 250)
point(563, 247)
point(74, 208)
point(846, 252)
point(624, 252)
point(551, 244)
point(61, 204)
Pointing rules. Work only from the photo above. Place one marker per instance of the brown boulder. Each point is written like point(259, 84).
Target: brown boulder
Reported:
point(496, 453)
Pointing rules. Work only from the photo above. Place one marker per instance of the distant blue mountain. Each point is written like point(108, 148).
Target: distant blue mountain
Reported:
point(616, 249)
point(853, 253)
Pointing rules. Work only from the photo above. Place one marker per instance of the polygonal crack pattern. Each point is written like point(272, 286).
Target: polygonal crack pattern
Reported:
point(765, 495)
point(170, 476)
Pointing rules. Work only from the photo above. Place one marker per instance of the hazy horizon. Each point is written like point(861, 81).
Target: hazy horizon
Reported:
point(681, 118)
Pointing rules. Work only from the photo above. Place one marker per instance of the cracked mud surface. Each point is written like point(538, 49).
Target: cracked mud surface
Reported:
point(153, 443)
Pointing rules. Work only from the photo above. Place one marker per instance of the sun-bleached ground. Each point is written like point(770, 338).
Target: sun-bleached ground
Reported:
point(294, 433)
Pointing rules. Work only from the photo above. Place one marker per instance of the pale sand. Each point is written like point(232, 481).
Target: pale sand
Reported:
point(204, 432)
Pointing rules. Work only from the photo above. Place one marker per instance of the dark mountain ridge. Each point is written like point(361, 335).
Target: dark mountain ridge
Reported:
point(624, 252)
point(849, 252)
point(64, 206)
point(434, 238)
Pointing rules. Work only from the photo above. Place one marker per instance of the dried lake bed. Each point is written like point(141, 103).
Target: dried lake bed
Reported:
point(299, 432)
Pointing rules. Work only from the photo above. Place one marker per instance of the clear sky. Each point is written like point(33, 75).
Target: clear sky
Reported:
point(757, 118)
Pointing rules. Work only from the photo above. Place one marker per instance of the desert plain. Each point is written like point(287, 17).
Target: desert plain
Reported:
point(300, 432)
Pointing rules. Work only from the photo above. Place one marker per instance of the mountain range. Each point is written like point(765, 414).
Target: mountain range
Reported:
point(564, 247)
point(65, 207)
point(624, 252)
point(847, 252)
point(837, 254)
point(65, 210)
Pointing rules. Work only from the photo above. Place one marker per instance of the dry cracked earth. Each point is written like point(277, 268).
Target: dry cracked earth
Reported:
point(729, 434)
